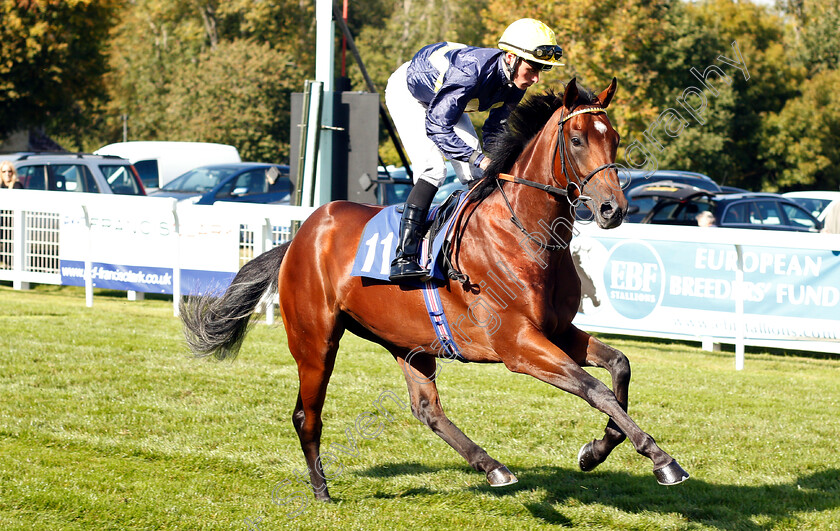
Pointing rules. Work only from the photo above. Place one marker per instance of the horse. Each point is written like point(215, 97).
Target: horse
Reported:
point(557, 151)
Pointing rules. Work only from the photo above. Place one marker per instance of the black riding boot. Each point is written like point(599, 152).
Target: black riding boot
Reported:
point(405, 266)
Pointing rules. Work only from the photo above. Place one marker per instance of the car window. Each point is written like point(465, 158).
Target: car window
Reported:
point(72, 178)
point(814, 205)
point(666, 212)
point(797, 217)
point(691, 209)
point(148, 171)
point(199, 180)
point(644, 204)
point(282, 184)
point(121, 179)
point(250, 183)
point(737, 214)
point(33, 177)
point(395, 192)
point(88, 180)
point(766, 213)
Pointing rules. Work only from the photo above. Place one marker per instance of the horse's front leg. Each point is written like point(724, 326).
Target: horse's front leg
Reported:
point(587, 350)
point(534, 354)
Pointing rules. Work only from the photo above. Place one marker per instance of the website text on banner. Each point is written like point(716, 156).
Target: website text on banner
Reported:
point(683, 282)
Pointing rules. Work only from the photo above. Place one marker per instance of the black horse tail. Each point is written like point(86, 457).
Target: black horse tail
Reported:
point(216, 325)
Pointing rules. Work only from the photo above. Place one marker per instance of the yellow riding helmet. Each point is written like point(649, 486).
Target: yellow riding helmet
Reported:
point(532, 40)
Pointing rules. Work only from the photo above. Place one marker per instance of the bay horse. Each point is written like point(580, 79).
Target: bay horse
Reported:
point(557, 150)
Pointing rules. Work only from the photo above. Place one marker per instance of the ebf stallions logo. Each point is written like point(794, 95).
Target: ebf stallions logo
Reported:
point(634, 278)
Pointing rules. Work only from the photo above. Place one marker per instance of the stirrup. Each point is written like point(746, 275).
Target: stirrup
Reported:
point(401, 269)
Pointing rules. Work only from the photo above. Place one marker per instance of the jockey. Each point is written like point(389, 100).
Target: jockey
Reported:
point(428, 98)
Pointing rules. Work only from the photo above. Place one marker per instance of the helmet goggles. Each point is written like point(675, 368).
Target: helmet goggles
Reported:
point(544, 52)
point(548, 52)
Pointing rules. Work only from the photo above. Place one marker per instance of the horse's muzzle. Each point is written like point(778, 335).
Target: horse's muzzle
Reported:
point(609, 214)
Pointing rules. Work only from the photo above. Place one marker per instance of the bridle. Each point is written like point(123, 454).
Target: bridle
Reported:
point(561, 148)
point(572, 189)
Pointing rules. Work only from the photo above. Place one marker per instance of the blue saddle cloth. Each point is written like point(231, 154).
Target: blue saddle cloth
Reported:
point(379, 244)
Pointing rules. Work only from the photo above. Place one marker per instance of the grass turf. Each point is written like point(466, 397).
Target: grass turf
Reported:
point(107, 423)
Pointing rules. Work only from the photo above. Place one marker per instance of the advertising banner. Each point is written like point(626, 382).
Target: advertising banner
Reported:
point(133, 244)
point(721, 284)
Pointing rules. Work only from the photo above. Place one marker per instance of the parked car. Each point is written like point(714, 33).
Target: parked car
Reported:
point(78, 172)
point(680, 204)
point(159, 162)
point(732, 190)
point(247, 182)
point(816, 202)
point(14, 155)
point(397, 191)
point(395, 185)
point(640, 206)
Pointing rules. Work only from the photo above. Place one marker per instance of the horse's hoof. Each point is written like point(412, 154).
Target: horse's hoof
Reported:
point(671, 474)
point(501, 477)
point(586, 458)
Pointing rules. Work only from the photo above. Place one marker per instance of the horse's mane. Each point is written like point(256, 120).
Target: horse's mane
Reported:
point(523, 124)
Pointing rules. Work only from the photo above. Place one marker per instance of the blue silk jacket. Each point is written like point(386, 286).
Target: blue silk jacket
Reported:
point(451, 79)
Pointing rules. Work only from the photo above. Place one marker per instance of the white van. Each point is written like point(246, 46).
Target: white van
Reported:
point(159, 162)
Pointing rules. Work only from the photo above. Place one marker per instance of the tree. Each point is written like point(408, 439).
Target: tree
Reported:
point(647, 45)
point(399, 29)
point(409, 26)
point(816, 39)
point(211, 71)
point(238, 94)
point(52, 60)
point(651, 47)
point(800, 143)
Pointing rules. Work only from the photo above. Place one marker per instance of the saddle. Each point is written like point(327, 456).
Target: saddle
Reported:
point(378, 244)
point(439, 226)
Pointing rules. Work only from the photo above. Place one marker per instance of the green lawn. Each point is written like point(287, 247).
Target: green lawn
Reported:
point(107, 423)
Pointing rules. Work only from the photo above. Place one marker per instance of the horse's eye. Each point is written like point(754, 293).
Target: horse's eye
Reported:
point(575, 141)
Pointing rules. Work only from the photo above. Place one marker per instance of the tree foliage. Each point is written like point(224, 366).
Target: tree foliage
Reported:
point(223, 71)
point(210, 71)
point(801, 142)
point(815, 40)
point(238, 94)
point(52, 59)
point(408, 26)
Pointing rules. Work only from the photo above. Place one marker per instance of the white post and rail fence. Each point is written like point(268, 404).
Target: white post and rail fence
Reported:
point(715, 286)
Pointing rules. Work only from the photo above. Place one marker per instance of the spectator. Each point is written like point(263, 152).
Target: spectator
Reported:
point(705, 219)
point(8, 175)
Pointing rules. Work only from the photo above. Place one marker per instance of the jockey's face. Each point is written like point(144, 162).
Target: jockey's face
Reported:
point(525, 75)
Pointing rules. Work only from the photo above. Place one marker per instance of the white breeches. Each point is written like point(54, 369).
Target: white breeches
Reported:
point(409, 117)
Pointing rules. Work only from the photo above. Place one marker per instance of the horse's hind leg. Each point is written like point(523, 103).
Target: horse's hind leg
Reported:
point(599, 354)
point(419, 370)
point(315, 357)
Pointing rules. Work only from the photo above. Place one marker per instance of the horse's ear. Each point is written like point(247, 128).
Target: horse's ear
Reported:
point(606, 96)
point(571, 94)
